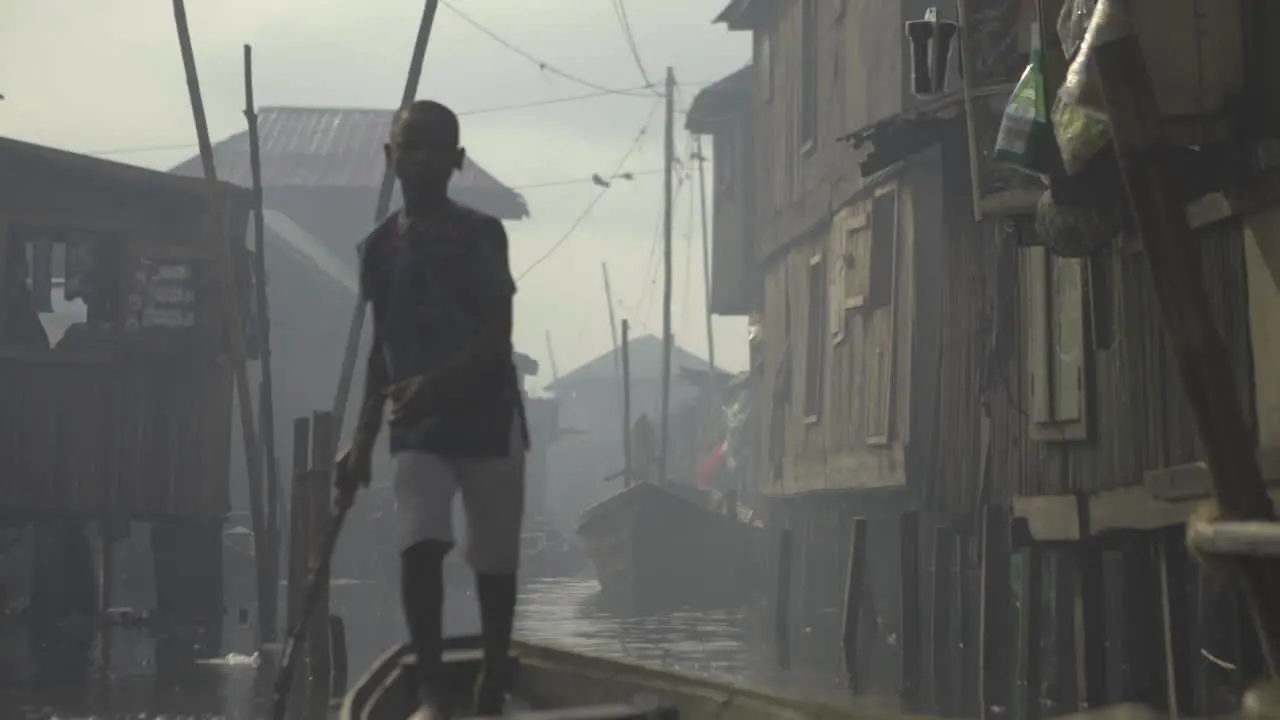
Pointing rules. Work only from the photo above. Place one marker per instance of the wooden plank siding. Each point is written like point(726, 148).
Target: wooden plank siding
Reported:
point(138, 428)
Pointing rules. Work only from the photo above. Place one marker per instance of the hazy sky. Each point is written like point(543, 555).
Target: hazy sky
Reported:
point(105, 77)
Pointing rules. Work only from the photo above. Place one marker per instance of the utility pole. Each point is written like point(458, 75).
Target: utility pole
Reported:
point(668, 152)
point(384, 207)
point(706, 274)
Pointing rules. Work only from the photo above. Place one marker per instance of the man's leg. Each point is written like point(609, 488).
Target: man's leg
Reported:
point(424, 486)
point(493, 497)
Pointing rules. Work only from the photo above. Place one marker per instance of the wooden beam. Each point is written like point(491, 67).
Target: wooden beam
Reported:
point(1218, 206)
point(1252, 538)
point(1192, 481)
point(1177, 276)
point(1050, 518)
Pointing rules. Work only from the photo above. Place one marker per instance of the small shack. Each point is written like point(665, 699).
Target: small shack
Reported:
point(115, 384)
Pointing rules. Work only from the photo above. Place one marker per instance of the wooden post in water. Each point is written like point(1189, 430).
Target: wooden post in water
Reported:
point(338, 654)
point(230, 292)
point(1029, 621)
point(628, 478)
point(266, 404)
point(318, 517)
point(909, 535)
point(782, 604)
point(940, 623)
point(994, 618)
point(297, 567)
point(854, 584)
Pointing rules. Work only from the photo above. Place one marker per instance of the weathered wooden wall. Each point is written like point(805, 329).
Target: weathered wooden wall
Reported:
point(858, 58)
point(116, 439)
point(1136, 413)
point(734, 279)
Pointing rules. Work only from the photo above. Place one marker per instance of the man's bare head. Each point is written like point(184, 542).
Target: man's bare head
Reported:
point(424, 146)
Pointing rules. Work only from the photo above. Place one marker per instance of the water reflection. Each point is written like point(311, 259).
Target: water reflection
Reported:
point(140, 675)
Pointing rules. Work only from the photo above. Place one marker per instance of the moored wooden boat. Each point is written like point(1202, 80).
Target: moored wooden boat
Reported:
point(657, 549)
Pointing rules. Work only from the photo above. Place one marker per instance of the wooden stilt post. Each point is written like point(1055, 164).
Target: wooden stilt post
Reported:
point(994, 627)
point(854, 584)
point(909, 562)
point(966, 620)
point(318, 505)
point(944, 661)
point(298, 549)
point(782, 603)
point(1030, 622)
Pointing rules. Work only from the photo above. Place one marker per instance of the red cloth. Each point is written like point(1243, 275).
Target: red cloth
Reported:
point(711, 466)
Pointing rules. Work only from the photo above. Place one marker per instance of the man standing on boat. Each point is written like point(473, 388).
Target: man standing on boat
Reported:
point(437, 277)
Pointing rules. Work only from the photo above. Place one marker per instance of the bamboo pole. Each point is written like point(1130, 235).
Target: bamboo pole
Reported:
point(384, 207)
point(266, 393)
point(231, 302)
point(628, 479)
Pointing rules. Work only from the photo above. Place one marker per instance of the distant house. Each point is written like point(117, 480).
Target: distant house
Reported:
point(322, 167)
point(591, 403)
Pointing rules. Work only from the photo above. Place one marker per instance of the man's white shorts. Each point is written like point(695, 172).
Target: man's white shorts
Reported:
point(492, 498)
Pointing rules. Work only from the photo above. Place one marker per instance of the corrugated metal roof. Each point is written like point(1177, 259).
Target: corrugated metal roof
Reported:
point(14, 153)
point(337, 147)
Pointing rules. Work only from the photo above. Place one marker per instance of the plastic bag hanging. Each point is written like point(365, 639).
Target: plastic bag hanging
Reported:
point(1079, 111)
point(1026, 138)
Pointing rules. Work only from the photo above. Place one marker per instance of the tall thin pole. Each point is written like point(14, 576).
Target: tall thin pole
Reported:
point(551, 358)
point(384, 207)
point(230, 298)
point(627, 478)
point(613, 323)
point(266, 393)
point(706, 273)
point(669, 151)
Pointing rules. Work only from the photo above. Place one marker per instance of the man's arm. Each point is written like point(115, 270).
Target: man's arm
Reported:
point(376, 380)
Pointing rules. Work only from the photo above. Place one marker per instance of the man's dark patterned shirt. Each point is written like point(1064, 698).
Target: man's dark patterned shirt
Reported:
point(433, 283)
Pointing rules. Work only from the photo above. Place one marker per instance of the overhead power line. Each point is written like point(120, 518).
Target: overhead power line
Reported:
point(635, 145)
point(624, 21)
point(477, 111)
point(542, 64)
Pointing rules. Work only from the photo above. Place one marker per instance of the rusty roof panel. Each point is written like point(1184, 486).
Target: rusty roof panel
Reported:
point(336, 147)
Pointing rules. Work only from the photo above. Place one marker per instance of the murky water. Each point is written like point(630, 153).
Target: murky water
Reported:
point(139, 676)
